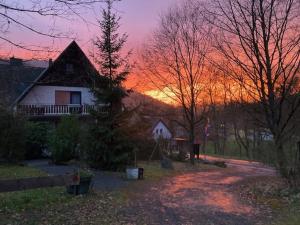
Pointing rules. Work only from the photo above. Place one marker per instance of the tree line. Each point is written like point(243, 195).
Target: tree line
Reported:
point(228, 53)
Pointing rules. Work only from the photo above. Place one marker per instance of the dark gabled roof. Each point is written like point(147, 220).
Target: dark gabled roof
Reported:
point(83, 69)
point(56, 74)
point(15, 79)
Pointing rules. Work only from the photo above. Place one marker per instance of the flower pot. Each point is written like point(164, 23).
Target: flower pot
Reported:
point(132, 173)
point(82, 188)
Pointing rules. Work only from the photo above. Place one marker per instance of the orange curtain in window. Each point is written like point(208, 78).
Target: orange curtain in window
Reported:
point(62, 97)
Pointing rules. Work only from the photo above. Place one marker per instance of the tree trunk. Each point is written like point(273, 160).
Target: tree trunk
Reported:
point(281, 159)
point(192, 140)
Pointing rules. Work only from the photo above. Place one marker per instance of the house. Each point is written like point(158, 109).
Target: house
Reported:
point(15, 76)
point(161, 130)
point(61, 89)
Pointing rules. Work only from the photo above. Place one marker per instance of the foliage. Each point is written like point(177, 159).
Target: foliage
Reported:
point(85, 173)
point(112, 65)
point(64, 140)
point(145, 148)
point(12, 136)
point(106, 146)
point(36, 139)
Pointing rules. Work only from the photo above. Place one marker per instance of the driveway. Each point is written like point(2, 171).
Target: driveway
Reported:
point(103, 181)
point(200, 198)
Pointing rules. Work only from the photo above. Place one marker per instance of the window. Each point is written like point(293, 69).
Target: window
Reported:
point(67, 97)
point(75, 98)
point(160, 131)
point(62, 97)
point(69, 68)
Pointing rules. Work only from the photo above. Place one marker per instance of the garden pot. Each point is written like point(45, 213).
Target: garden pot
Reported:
point(132, 173)
point(82, 188)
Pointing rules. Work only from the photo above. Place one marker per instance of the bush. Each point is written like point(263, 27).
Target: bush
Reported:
point(107, 148)
point(64, 140)
point(146, 149)
point(12, 137)
point(36, 139)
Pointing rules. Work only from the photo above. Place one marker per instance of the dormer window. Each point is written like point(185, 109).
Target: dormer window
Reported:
point(69, 68)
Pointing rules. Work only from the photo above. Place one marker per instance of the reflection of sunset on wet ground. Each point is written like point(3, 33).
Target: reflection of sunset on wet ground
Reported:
point(210, 189)
point(210, 195)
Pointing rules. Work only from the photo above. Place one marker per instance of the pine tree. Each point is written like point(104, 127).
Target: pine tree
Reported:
point(112, 65)
point(106, 144)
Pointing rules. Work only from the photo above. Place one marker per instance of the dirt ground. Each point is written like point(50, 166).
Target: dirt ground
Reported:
point(201, 198)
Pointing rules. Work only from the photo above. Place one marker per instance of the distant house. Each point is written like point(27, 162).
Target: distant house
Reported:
point(61, 89)
point(15, 76)
point(161, 130)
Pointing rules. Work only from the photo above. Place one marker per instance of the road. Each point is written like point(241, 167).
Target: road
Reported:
point(201, 198)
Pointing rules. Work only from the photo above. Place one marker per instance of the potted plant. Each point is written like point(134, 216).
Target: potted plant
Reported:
point(133, 172)
point(82, 180)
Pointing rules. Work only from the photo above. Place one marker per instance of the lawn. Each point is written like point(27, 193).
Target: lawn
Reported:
point(290, 215)
point(153, 170)
point(53, 205)
point(274, 194)
point(10, 171)
point(15, 202)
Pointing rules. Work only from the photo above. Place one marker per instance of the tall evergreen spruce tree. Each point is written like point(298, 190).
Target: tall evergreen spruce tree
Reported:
point(106, 143)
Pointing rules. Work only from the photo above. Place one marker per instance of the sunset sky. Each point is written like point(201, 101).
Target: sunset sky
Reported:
point(139, 19)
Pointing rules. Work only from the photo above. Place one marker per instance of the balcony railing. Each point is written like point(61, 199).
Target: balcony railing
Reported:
point(57, 110)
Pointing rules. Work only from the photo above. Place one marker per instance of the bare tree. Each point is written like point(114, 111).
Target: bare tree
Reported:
point(261, 41)
point(173, 61)
point(16, 14)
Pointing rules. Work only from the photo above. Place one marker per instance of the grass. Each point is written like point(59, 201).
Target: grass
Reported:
point(290, 215)
point(153, 170)
point(275, 194)
point(31, 199)
point(10, 171)
point(14, 202)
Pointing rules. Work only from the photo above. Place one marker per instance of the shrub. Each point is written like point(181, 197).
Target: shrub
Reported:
point(64, 140)
point(106, 147)
point(146, 149)
point(12, 136)
point(36, 139)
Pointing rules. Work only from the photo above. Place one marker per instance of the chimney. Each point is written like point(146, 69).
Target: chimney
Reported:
point(50, 62)
point(15, 61)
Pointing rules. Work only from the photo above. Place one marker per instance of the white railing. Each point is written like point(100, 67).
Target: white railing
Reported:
point(57, 110)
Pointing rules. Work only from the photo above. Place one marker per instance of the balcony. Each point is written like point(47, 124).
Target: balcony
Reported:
point(57, 110)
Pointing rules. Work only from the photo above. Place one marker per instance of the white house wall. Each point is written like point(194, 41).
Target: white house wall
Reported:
point(45, 95)
point(166, 134)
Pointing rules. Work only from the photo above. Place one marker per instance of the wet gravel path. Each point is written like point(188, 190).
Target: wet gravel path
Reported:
point(201, 198)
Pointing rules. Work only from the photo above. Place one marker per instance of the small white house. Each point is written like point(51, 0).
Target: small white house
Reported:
point(61, 89)
point(161, 130)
